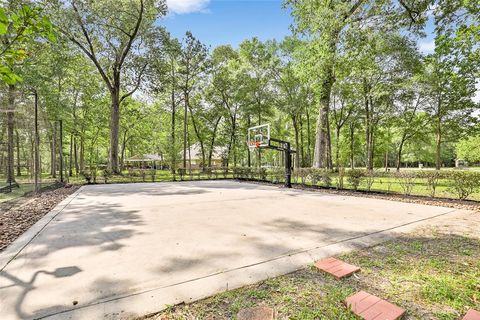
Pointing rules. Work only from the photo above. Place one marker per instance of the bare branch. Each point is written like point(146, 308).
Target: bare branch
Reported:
point(137, 84)
point(90, 52)
point(133, 35)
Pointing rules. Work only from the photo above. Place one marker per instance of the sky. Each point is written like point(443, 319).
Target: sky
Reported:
point(217, 22)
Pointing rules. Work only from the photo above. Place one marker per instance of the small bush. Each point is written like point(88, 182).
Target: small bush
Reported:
point(152, 174)
point(464, 183)
point(94, 174)
point(278, 174)
point(432, 179)
point(106, 175)
point(406, 179)
point(315, 176)
point(325, 178)
point(302, 173)
point(340, 178)
point(208, 171)
point(370, 179)
point(182, 172)
point(225, 172)
point(87, 176)
point(261, 174)
point(355, 178)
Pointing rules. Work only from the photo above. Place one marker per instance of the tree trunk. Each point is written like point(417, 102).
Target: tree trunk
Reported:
point(82, 154)
point(438, 141)
point(352, 145)
point(53, 169)
point(75, 154)
point(114, 127)
point(70, 157)
point(19, 168)
point(337, 148)
point(10, 135)
point(231, 143)
point(297, 143)
point(172, 144)
point(249, 159)
point(321, 154)
point(302, 151)
point(197, 133)
point(185, 119)
point(309, 138)
point(60, 151)
point(369, 112)
point(122, 152)
point(399, 153)
point(212, 141)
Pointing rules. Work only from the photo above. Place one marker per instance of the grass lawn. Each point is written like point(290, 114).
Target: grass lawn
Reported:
point(432, 273)
point(24, 188)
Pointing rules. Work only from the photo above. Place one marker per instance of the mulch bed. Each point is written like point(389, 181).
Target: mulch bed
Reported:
point(18, 217)
point(441, 202)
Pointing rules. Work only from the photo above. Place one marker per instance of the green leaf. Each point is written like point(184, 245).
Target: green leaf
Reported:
point(3, 28)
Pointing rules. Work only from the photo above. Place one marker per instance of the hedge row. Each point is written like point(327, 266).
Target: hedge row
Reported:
point(461, 183)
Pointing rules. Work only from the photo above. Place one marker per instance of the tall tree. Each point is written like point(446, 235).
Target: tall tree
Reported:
point(20, 26)
point(112, 34)
point(192, 64)
point(325, 24)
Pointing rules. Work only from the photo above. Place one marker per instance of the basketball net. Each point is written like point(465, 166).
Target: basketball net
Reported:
point(252, 145)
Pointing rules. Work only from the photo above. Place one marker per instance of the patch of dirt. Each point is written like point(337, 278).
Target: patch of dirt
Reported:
point(18, 217)
point(440, 202)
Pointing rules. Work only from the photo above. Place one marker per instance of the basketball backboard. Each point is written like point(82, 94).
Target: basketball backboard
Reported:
point(258, 136)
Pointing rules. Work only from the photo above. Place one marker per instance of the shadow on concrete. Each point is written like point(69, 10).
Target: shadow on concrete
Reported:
point(102, 226)
point(28, 286)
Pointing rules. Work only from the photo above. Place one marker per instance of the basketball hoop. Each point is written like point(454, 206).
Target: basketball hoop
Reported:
point(258, 137)
point(252, 145)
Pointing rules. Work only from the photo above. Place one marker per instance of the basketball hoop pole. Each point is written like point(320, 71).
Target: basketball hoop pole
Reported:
point(288, 165)
point(287, 150)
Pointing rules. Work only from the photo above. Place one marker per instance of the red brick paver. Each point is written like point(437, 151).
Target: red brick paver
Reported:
point(370, 307)
point(337, 268)
point(472, 315)
point(257, 313)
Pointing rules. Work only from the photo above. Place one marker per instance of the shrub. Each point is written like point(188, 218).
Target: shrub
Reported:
point(340, 178)
point(208, 171)
point(464, 183)
point(87, 176)
point(406, 179)
point(224, 172)
point(94, 174)
point(261, 174)
point(355, 178)
point(432, 179)
point(315, 175)
point(302, 173)
point(236, 172)
point(325, 178)
point(106, 175)
point(152, 174)
point(369, 179)
point(182, 172)
point(278, 175)
point(131, 174)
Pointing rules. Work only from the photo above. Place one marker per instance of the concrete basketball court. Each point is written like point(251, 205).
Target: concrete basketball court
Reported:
point(116, 251)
